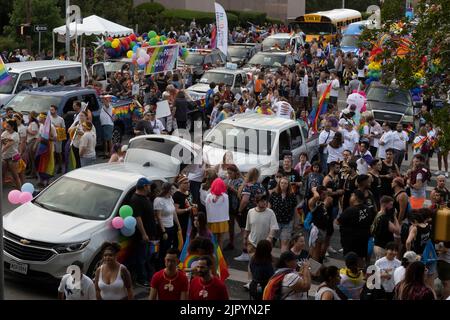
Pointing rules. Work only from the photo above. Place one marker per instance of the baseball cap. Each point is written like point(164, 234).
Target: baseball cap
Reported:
point(227, 105)
point(411, 256)
point(143, 182)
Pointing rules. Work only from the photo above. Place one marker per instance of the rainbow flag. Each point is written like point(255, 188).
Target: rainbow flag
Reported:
point(69, 156)
point(420, 143)
point(4, 76)
point(162, 59)
point(411, 132)
point(320, 109)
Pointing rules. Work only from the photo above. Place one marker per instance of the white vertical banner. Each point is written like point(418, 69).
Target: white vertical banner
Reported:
point(222, 28)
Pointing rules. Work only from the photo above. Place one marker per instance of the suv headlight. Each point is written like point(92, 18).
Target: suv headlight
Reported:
point(71, 247)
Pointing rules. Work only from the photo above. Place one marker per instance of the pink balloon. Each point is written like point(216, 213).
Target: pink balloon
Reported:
point(141, 61)
point(25, 197)
point(14, 196)
point(147, 58)
point(133, 57)
point(117, 223)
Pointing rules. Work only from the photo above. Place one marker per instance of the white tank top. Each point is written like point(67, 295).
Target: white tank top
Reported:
point(326, 289)
point(114, 291)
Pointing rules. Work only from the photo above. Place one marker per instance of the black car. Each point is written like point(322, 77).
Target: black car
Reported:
point(389, 104)
point(240, 53)
point(202, 59)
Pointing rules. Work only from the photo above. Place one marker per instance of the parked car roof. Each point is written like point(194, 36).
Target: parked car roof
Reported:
point(259, 121)
point(31, 65)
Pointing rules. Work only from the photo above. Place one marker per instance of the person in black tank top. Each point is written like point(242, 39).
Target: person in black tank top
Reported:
point(375, 186)
point(388, 172)
point(419, 232)
point(348, 184)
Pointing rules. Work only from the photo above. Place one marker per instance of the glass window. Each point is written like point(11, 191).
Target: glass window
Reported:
point(296, 137)
point(91, 100)
point(217, 77)
point(68, 107)
point(285, 143)
point(24, 82)
point(238, 81)
point(161, 146)
point(194, 59)
point(78, 198)
point(98, 72)
point(8, 87)
point(25, 102)
point(72, 76)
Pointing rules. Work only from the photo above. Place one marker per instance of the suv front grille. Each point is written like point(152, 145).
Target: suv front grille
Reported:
point(381, 117)
point(34, 243)
point(25, 252)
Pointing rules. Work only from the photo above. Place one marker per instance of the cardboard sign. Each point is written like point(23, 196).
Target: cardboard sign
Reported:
point(162, 109)
point(135, 90)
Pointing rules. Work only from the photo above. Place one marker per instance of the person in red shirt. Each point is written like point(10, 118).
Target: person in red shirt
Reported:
point(205, 286)
point(169, 283)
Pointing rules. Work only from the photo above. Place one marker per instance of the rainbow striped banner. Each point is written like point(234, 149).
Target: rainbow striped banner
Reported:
point(4, 76)
point(162, 59)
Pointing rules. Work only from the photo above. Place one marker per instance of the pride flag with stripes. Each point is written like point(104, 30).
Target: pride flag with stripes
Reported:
point(320, 109)
point(162, 59)
point(4, 76)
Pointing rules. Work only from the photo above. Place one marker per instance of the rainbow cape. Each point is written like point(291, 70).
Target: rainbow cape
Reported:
point(420, 143)
point(186, 258)
point(320, 109)
point(4, 76)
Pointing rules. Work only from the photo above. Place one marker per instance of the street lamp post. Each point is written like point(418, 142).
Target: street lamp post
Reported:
point(343, 4)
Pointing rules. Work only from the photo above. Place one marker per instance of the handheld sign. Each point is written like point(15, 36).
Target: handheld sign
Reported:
point(162, 109)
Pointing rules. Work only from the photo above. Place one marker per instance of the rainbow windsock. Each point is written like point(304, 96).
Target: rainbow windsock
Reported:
point(4, 76)
point(221, 264)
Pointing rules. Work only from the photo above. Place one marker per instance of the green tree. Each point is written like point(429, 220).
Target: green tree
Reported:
point(45, 12)
point(392, 10)
point(5, 9)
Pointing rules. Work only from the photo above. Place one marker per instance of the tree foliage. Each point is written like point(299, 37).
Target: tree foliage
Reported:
point(392, 10)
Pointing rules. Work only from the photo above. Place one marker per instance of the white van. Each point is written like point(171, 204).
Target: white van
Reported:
point(22, 72)
point(283, 42)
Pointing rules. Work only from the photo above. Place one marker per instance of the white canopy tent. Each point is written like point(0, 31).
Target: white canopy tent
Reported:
point(92, 25)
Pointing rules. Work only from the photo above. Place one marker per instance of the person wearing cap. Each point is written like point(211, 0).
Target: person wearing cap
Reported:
point(225, 113)
point(264, 108)
point(107, 123)
point(145, 228)
point(143, 126)
point(408, 258)
point(87, 145)
point(156, 124)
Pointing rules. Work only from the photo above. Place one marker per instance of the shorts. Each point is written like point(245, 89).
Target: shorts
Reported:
point(285, 231)
point(251, 249)
point(219, 227)
point(107, 132)
point(58, 146)
point(443, 270)
point(316, 236)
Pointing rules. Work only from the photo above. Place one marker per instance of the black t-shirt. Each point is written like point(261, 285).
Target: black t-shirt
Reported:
point(382, 235)
point(349, 186)
point(386, 188)
point(321, 216)
point(376, 188)
point(143, 207)
point(162, 84)
point(184, 201)
point(292, 175)
point(355, 221)
point(144, 127)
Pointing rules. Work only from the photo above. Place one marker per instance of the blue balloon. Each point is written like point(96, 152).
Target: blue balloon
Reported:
point(129, 223)
point(27, 187)
point(135, 48)
point(127, 232)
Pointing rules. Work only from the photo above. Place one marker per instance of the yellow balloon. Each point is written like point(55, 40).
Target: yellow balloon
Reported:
point(115, 43)
point(158, 38)
point(129, 54)
point(165, 42)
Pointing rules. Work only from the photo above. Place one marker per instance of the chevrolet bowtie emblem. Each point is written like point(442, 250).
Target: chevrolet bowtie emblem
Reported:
point(25, 241)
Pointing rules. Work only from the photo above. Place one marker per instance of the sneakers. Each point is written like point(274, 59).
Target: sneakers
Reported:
point(243, 257)
point(331, 250)
point(437, 173)
point(341, 250)
point(446, 174)
point(247, 286)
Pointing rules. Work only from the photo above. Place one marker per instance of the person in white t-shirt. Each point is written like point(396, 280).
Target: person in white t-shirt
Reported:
point(71, 288)
point(217, 209)
point(295, 284)
point(351, 137)
point(386, 140)
point(156, 124)
point(107, 123)
point(261, 223)
point(87, 145)
point(284, 109)
point(325, 137)
point(335, 85)
point(408, 258)
point(387, 266)
point(365, 157)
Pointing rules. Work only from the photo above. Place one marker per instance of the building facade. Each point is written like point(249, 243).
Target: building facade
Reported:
point(280, 9)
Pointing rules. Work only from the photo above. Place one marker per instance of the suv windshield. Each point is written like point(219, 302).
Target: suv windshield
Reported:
point(8, 87)
point(388, 95)
point(282, 44)
point(265, 59)
point(238, 139)
point(78, 198)
point(217, 77)
point(25, 102)
point(238, 52)
point(194, 59)
point(349, 41)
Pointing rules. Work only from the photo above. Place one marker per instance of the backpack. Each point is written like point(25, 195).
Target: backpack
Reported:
point(272, 291)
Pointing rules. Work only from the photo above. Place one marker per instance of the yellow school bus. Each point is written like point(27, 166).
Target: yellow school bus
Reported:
point(324, 23)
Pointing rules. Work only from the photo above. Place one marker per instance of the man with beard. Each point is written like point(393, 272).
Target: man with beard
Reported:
point(204, 286)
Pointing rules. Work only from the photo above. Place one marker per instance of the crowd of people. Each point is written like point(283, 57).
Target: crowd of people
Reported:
point(358, 185)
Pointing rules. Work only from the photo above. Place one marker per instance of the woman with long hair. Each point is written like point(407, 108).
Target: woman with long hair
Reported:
point(413, 287)
point(283, 202)
point(222, 168)
point(167, 217)
point(200, 227)
point(233, 182)
point(336, 148)
point(261, 268)
point(10, 152)
point(112, 279)
point(327, 289)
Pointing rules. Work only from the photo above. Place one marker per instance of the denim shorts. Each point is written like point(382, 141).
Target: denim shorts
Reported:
point(107, 132)
point(285, 232)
